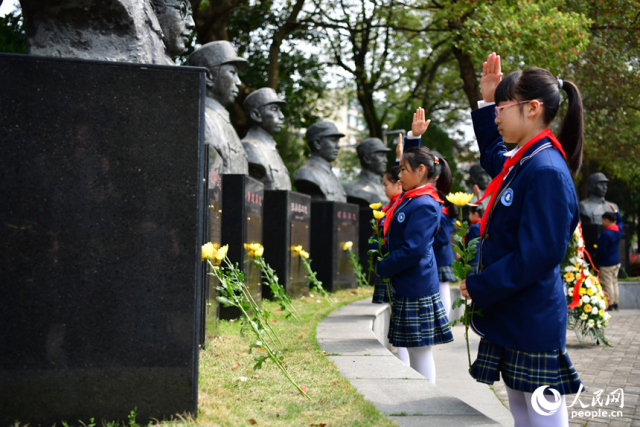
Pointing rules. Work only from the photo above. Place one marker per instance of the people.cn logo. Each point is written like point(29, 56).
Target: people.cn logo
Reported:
point(543, 406)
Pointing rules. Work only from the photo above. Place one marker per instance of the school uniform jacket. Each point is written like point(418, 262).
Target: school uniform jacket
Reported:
point(608, 253)
point(411, 264)
point(535, 214)
point(442, 242)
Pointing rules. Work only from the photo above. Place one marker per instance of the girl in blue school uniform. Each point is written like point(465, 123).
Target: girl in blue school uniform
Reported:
point(525, 230)
point(444, 252)
point(418, 318)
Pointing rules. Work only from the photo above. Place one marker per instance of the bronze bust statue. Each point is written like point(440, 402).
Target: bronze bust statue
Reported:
point(316, 178)
point(479, 177)
point(263, 110)
point(368, 187)
point(176, 20)
point(592, 208)
point(223, 84)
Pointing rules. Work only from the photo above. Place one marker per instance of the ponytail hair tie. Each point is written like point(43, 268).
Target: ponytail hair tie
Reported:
point(436, 160)
point(560, 83)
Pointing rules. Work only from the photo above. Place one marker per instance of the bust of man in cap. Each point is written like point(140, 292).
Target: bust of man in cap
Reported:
point(592, 208)
point(481, 179)
point(223, 84)
point(368, 188)
point(176, 20)
point(316, 178)
point(263, 110)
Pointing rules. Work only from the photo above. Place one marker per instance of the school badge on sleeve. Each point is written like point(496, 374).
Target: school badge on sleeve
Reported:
point(507, 197)
point(401, 217)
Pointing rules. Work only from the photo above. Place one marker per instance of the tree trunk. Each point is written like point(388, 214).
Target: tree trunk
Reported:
point(470, 83)
point(290, 25)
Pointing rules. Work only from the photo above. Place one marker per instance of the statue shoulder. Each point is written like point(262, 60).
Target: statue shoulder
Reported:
point(306, 173)
point(254, 153)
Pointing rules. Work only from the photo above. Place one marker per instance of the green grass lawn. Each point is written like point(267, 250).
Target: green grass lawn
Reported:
point(266, 398)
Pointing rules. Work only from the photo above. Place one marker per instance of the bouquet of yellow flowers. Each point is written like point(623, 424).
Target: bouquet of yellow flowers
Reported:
point(587, 302)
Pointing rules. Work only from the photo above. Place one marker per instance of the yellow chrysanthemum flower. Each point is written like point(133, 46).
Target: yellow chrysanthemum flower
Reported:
point(378, 214)
point(221, 254)
point(208, 251)
point(459, 198)
point(587, 308)
point(375, 206)
point(347, 245)
point(595, 246)
point(569, 277)
point(601, 313)
point(298, 248)
point(304, 254)
point(259, 252)
point(582, 291)
point(590, 292)
point(458, 223)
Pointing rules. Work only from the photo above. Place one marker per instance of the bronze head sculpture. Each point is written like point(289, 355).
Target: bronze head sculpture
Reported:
point(316, 178)
point(263, 109)
point(223, 84)
point(176, 20)
point(592, 208)
point(368, 187)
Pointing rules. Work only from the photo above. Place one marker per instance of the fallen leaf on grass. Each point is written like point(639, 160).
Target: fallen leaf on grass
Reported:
point(317, 425)
point(311, 295)
point(243, 379)
point(275, 321)
point(236, 366)
point(318, 300)
point(256, 376)
point(303, 388)
point(253, 422)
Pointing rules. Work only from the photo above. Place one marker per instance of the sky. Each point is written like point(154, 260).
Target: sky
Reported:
point(8, 6)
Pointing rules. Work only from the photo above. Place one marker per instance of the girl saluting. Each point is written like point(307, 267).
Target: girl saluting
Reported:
point(525, 230)
point(418, 317)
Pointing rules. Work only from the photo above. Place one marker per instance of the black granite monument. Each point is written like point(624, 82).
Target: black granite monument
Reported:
point(211, 309)
point(332, 225)
point(102, 174)
point(243, 199)
point(287, 218)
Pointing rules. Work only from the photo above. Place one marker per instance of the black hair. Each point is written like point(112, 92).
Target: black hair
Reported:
point(610, 216)
point(538, 83)
point(393, 174)
point(477, 209)
point(416, 156)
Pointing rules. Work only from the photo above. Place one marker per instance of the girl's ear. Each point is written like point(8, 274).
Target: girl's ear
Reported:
point(535, 107)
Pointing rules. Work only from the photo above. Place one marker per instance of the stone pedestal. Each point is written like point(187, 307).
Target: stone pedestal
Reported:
point(333, 224)
point(242, 199)
point(102, 175)
point(213, 219)
point(287, 218)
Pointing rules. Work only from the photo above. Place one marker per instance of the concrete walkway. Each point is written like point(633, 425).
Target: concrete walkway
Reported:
point(348, 336)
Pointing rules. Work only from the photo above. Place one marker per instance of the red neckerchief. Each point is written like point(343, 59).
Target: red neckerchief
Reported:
point(393, 200)
point(475, 221)
point(427, 190)
point(496, 183)
point(446, 212)
point(613, 227)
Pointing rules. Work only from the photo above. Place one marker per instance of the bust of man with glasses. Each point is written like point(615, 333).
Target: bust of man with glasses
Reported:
point(223, 84)
point(176, 20)
point(316, 178)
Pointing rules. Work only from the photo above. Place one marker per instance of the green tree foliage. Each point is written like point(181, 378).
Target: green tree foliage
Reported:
point(13, 37)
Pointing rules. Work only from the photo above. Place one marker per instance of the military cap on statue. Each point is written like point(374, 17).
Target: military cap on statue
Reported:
point(320, 130)
point(371, 145)
point(597, 177)
point(261, 97)
point(216, 53)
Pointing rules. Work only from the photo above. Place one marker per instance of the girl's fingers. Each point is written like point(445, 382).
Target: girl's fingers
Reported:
point(498, 68)
point(484, 69)
point(414, 117)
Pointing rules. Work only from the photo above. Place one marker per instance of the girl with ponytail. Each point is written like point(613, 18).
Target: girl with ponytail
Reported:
point(532, 214)
point(418, 318)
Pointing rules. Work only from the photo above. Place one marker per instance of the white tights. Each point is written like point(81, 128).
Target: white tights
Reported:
point(421, 360)
point(525, 416)
point(403, 355)
point(445, 297)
